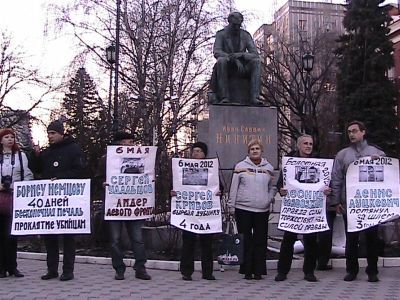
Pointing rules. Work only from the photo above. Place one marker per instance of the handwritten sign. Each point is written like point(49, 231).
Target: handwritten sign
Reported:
point(372, 192)
point(303, 209)
point(51, 207)
point(131, 185)
point(196, 207)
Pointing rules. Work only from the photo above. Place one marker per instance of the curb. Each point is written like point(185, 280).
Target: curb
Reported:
point(383, 262)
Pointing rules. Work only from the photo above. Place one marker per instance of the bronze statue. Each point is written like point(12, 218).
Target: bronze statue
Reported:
point(237, 57)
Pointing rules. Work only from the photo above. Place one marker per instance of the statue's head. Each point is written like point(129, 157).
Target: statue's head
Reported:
point(235, 20)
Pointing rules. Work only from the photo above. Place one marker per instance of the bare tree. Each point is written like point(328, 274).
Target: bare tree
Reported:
point(304, 105)
point(17, 74)
point(165, 51)
point(165, 61)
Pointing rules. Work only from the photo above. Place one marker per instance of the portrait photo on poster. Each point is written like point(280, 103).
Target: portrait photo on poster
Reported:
point(194, 176)
point(370, 174)
point(132, 165)
point(307, 174)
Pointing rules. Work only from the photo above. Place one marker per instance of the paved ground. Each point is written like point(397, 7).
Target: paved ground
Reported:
point(96, 282)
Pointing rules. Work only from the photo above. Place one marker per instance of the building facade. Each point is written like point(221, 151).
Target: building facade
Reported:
point(301, 21)
point(394, 35)
point(302, 27)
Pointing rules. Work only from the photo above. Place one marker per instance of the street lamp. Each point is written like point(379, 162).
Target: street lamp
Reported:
point(117, 31)
point(307, 64)
point(174, 105)
point(110, 57)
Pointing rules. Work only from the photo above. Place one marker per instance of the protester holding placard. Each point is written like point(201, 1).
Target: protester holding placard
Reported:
point(358, 148)
point(133, 227)
point(304, 150)
point(195, 176)
point(250, 197)
point(62, 159)
point(13, 167)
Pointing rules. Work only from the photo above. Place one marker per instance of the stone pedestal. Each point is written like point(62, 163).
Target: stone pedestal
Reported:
point(230, 128)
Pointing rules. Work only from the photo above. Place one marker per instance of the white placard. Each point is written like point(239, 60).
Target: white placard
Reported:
point(130, 175)
point(303, 209)
point(196, 207)
point(372, 192)
point(51, 207)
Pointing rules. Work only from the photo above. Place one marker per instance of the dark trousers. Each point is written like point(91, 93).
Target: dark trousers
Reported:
point(8, 245)
point(254, 227)
point(134, 229)
point(53, 256)
point(352, 244)
point(187, 257)
point(286, 252)
point(325, 240)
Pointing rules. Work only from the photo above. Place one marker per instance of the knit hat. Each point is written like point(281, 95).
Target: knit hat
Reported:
point(202, 146)
point(56, 126)
point(121, 135)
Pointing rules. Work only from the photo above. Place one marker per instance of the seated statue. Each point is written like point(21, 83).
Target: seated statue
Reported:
point(237, 57)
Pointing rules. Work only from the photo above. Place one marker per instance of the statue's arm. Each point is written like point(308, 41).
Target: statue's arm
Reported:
point(251, 48)
point(219, 46)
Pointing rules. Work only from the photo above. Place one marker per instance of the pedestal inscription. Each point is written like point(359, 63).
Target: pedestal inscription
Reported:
point(230, 128)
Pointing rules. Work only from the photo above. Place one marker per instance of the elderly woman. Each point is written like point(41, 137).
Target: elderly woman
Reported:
point(13, 167)
point(250, 197)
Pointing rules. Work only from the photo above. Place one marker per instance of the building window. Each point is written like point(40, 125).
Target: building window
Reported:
point(302, 25)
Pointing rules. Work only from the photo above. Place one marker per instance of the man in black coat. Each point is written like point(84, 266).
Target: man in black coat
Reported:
point(63, 159)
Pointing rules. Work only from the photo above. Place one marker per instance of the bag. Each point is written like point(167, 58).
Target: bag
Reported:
point(231, 247)
point(6, 203)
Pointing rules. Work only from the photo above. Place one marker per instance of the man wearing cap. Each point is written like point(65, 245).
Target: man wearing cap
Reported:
point(133, 227)
point(62, 159)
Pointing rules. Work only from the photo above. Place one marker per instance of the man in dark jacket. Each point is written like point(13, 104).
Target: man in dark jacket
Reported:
point(133, 227)
point(63, 159)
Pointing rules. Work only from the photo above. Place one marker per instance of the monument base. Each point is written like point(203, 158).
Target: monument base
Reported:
point(230, 128)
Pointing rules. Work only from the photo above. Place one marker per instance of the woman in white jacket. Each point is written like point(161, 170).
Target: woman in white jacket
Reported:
point(13, 167)
point(250, 197)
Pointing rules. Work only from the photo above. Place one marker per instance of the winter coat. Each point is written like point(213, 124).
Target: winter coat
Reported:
point(342, 161)
point(63, 160)
point(7, 168)
point(251, 187)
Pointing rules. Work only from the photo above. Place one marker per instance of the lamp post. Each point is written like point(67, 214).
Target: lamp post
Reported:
point(110, 57)
point(193, 121)
point(115, 116)
point(307, 64)
point(174, 105)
